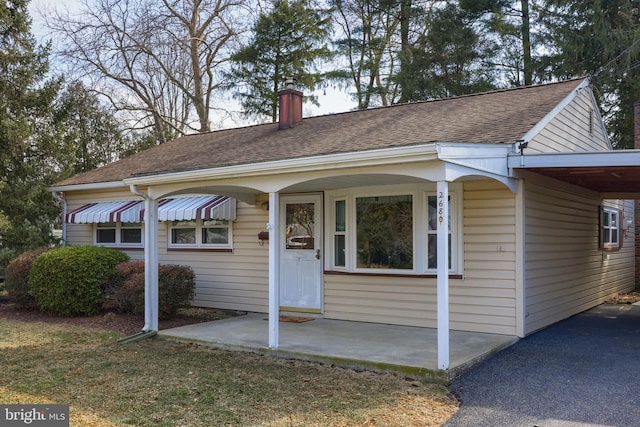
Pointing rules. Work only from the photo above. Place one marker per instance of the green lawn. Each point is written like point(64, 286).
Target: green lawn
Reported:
point(160, 383)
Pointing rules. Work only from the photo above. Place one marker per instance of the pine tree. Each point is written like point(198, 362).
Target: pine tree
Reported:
point(26, 96)
point(446, 59)
point(600, 39)
point(508, 24)
point(290, 41)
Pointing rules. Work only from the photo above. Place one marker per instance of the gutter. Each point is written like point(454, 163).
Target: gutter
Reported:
point(60, 196)
point(335, 161)
point(88, 187)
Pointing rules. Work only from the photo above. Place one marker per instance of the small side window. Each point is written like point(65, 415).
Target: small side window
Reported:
point(131, 233)
point(610, 236)
point(215, 232)
point(183, 233)
point(106, 233)
point(126, 234)
point(201, 234)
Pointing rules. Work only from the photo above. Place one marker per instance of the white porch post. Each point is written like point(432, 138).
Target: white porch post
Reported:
point(150, 264)
point(443, 274)
point(274, 269)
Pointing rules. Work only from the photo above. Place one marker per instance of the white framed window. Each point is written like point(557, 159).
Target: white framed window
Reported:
point(432, 231)
point(610, 236)
point(118, 234)
point(340, 233)
point(384, 232)
point(390, 230)
point(214, 233)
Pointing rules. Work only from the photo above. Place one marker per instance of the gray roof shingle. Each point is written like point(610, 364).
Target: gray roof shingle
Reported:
point(502, 116)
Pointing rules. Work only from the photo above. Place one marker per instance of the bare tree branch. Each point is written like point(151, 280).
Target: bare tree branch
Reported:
point(159, 60)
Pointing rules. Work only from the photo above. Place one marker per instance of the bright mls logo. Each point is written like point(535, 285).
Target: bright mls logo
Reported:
point(34, 415)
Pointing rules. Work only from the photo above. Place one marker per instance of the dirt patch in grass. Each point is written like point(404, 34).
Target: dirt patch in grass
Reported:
point(126, 324)
point(160, 383)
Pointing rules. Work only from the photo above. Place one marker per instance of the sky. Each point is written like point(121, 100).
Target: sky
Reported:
point(331, 100)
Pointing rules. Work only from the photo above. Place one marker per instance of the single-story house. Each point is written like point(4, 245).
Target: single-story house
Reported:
point(501, 212)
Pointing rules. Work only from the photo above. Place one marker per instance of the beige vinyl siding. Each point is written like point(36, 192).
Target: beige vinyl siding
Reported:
point(236, 280)
point(482, 301)
point(570, 129)
point(485, 301)
point(565, 270)
point(407, 301)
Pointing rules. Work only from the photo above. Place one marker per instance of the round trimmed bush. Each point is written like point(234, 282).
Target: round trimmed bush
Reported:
point(17, 278)
point(69, 280)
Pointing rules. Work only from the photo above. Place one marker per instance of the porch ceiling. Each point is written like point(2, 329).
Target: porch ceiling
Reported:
point(613, 174)
point(612, 180)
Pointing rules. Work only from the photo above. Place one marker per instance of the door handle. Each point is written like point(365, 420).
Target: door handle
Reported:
point(317, 253)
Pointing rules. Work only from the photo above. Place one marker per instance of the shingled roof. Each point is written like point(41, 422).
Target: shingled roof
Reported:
point(502, 116)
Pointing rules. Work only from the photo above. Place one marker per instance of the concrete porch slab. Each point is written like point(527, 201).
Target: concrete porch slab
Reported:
point(410, 351)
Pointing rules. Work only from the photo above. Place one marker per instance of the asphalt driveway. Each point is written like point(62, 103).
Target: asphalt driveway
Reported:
point(583, 371)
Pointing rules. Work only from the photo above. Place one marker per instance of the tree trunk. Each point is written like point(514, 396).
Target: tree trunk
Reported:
point(526, 44)
point(405, 50)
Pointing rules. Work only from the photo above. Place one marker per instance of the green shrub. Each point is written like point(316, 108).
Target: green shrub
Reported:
point(125, 290)
point(69, 280)
point(17, 278)
point(177, 287)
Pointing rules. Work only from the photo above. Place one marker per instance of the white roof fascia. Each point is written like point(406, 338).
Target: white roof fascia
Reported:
point(553, 113)
point(91, 186)
point(386, 156)
point(489, 158)
point(575, 159)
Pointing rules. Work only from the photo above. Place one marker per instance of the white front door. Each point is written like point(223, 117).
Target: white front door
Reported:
point(301, 253)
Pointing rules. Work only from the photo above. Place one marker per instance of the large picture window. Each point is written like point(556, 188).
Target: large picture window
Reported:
point(390, 232)
point(384, 232)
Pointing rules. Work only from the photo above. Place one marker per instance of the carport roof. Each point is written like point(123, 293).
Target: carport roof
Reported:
point(613, 174)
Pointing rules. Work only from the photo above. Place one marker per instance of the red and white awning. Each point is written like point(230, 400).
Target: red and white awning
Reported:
point(205, 207)
point(102, 212)
point(177, 209)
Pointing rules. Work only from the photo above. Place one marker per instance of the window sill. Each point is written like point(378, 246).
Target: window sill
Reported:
point(424, 276)
point(121, 248)
point(220, 250)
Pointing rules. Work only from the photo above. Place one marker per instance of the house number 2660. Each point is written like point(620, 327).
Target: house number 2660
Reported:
point(440, 207)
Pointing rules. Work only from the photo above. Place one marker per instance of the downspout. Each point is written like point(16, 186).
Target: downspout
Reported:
point(151, 264)
point(60, 197)
point(134, 189)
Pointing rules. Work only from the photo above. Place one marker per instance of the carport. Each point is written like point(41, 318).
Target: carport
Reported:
point(614, 174)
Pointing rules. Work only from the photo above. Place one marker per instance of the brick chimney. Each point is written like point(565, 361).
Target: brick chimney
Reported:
point(290, 105)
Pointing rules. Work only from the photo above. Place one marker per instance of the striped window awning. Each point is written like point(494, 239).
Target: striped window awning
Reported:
point(175, 209)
